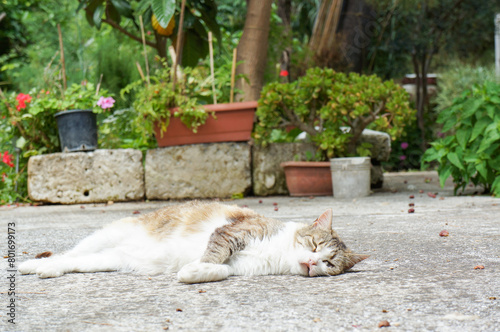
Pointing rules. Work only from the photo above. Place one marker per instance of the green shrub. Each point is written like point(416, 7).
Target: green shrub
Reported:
point(471, 152)
point(322, 102)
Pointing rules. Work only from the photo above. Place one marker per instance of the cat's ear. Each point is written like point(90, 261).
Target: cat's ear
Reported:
point(325, 220)
point(353, 259)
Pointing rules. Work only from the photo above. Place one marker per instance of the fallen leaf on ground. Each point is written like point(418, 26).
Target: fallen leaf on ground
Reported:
point(44, 254)
point(202, 291)
point(136, 212)
point(431, 195)
point(178, 310)
point(411, 210)
point(492, 298)
point(443, 233)
point(384, 323)
point(479, 267)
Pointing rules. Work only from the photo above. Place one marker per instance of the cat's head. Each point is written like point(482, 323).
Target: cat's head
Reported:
point(321, 252)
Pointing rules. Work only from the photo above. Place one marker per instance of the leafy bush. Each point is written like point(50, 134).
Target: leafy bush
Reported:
point(153, 102)
point(323, 102)
point(471, 153)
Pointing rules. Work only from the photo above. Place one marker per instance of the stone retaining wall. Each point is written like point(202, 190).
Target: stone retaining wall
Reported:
point(198, 171)
point(99, 176)
point(178, 172)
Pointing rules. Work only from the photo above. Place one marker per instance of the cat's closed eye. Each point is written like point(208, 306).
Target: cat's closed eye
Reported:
point(317, 244)
point(328, 264)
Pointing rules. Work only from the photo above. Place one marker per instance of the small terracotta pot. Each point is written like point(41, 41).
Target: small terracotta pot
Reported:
point(233, 123)
point(308, 178)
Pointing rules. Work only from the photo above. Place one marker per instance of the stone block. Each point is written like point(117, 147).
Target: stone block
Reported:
point(268, 176)
point(381, 144)
point(86, 177)
point(198, 171)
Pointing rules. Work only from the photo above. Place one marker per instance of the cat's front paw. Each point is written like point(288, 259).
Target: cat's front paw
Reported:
point(49, 271)
point(202, 272)
point(29, 267)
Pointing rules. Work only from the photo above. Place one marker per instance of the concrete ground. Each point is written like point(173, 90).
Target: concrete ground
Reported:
point(415, 279)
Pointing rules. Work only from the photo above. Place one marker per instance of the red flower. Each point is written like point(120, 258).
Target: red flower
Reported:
point(3, 177)
point(22, 99)
point(7, 159)
point(284, 73)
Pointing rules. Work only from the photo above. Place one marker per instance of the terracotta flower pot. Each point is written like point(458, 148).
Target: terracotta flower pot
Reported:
point(308, 178)
point(233, 123)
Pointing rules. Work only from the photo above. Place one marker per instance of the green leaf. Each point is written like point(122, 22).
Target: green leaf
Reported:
point(91, 9)
point(463, 136)
point(163, 10)
point(97, 17)
point(495, 186)
point(481, 168)
point(444, 174)
point(208, 12)
point(195, 48)
point(479, 128)
point(455, 160)
point(490, 110)
point(113, 13)
point(491, 136)
point(449, 124)
point(471, 106)
point(123, 7)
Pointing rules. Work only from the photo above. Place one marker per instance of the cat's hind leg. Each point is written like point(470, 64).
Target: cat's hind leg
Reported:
point(105, 261)
point(197, 272)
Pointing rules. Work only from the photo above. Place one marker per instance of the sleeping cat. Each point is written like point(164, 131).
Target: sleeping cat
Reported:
point(205, 242)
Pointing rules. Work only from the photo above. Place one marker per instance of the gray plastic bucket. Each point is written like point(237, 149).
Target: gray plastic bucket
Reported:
point(350, 177)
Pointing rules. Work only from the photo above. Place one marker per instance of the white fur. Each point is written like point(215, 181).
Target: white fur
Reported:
point(126, 245)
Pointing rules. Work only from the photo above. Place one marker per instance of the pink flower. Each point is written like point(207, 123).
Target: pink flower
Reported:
point(7, 159)
point(3, 177)
point(402, 158)
point(404, 145)
point(284, 73)
point(106, 103)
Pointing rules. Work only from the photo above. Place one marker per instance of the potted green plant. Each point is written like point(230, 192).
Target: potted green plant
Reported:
point(177, 115)
point(333, 109)
point(77, 122)
point(37, 114)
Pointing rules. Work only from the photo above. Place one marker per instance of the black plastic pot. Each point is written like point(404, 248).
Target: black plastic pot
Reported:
point(77, 130)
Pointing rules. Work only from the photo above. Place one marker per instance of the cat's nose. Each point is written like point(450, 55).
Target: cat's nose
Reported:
point(309, 263)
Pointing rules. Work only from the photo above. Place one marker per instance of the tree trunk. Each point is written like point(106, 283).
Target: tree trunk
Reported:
point(323, 37)
point(252, 49)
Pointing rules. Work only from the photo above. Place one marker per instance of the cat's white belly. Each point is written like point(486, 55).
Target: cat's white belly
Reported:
point(145, 254)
